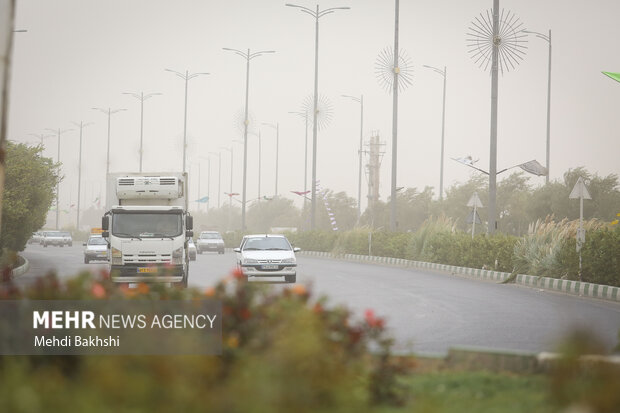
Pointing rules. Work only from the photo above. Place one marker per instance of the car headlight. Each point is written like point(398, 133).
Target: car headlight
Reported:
point(250, 261)
point(288, 261)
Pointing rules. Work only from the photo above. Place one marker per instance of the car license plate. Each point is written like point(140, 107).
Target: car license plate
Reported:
point(269, 267)
point(147, 269)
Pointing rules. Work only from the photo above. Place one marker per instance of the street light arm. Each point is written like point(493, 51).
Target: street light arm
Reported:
point(471, 166)
point(302, 8)
point(358, 100)
point(435, 69)
point(179, 74)
point(262, 52)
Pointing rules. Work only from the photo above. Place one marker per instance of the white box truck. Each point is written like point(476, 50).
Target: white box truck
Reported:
point(147, 226)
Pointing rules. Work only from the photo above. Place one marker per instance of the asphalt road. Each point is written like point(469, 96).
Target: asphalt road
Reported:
point(426, 312)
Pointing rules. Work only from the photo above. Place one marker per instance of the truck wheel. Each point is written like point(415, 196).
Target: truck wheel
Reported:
point(290, 278)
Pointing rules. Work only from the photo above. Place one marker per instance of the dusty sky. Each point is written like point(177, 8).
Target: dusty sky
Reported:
point(79, 54)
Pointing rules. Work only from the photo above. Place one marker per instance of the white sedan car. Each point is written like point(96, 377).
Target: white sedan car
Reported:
point(267, 256)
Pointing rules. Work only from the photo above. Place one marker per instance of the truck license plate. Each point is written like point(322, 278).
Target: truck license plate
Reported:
point(269, 267)
point(147, 269)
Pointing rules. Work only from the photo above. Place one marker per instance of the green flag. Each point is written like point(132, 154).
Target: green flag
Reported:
point(614, 76)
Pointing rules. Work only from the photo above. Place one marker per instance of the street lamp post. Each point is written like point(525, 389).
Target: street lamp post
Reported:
point(230, 149)
point(316, 15)
point(444, 74)
point(141, 97)
point(247, 56)
point(277, 128)
point(58, 132)
point(359, 100)
point(186, 77)
point(109, 112)
point(80, 125)
point(546, 38)
point(219, 175)
point(305, 116)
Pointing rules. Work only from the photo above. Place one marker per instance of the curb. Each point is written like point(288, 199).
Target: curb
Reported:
point(500, 361)
point(582, 289)
point(22, 269)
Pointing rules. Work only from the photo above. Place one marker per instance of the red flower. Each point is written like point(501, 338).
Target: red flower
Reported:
point(373, 321)
point(237, 273)
point(244, 313)
point(98, 291)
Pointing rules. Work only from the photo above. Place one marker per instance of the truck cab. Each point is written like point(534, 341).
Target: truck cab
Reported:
point(147, 227)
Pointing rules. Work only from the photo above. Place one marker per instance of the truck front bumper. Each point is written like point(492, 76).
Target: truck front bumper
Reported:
point(147, 274)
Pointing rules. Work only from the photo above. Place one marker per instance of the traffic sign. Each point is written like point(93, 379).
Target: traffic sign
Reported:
point(474, 201)
point(580, 190)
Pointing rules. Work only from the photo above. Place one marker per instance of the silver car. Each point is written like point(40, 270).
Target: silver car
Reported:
point(267, 256)
point(96, 248)
point(59, 238)
point(210, 241)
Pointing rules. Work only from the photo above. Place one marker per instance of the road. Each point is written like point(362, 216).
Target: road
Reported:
point(426, 312)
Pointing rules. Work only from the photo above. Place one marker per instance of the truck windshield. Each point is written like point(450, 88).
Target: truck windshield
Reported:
point(144, 225)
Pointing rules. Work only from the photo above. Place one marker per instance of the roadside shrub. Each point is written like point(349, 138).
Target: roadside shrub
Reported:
point(317, 240)
point(283, 351)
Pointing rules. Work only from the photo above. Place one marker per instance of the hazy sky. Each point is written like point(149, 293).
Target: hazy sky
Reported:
point(79, 54)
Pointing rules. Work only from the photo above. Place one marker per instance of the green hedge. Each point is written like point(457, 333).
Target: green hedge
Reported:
point(600, 254)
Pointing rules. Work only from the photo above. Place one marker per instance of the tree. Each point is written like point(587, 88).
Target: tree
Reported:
point(342, 207)
point(276, 212)
point(29, 191)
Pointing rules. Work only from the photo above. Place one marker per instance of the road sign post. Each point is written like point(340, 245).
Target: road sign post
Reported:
point(580, 191)
point(474, 202)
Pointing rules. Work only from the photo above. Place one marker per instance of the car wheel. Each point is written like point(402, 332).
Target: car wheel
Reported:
point(290, 278)
point(70, 244)
point(86, 260)
point(220, 252)
point(45, 245)
point(199, 251)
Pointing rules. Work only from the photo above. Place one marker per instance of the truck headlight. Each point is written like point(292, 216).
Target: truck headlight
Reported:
point(177, 256)
point(117, 256)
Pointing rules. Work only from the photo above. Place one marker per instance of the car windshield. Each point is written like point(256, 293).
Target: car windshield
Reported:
point(146, 225)
point(97, 241)
point(210, 235)
point(267, 243)
point(64, 234)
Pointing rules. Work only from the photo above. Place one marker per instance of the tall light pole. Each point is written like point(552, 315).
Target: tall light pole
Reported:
point(359, 100)
point(316, 15)
point(444, 74)
point(305, 116)
point(219, 175)
point(498, 42)
point(277, 128)
point(230, 149)
point(186, 77)
point(109, 112)
point(141, 97)
point(546, 38)
point(247, 56)
point(80, 125)
point(58, 133)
